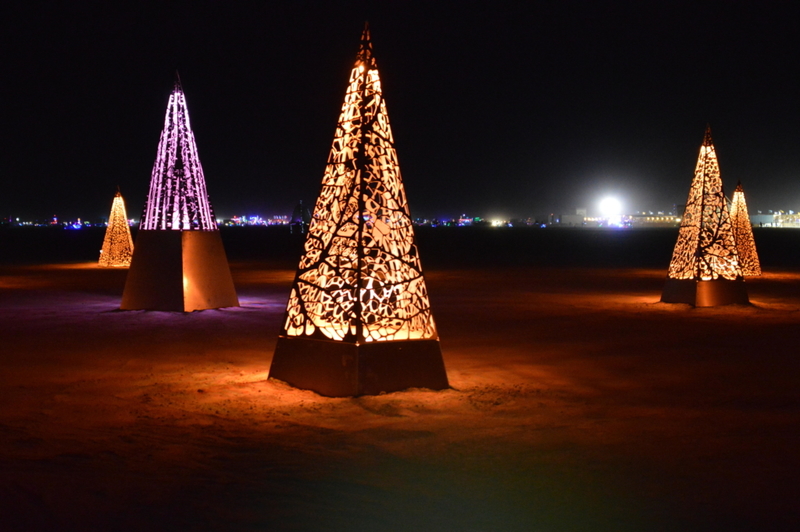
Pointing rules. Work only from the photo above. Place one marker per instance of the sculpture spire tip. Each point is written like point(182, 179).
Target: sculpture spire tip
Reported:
point(178, 85)
point(707, 136)
point(365, 49)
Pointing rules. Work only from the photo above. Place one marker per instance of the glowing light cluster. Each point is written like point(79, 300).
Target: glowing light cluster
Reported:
point(117, 244)
point(610, 207)
point(743, 235)
point(178, 199)
point(360, 277)
point(705, 249)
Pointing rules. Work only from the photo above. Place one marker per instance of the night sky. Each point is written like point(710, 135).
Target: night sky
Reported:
point(498, 109)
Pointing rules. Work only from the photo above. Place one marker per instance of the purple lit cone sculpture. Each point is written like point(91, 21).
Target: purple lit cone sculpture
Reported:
point(179, 263)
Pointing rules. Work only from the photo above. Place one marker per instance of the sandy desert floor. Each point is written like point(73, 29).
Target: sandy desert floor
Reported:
point(578, 402)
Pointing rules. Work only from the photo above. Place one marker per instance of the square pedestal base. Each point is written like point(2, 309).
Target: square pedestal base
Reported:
point(340, 369)
point(705, 293)
point(179, 271)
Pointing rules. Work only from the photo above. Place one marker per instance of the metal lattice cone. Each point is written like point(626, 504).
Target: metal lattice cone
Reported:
point(360, 281)
point(117, 244)
point(706, 250)
point(178, 199)
point(743, 235)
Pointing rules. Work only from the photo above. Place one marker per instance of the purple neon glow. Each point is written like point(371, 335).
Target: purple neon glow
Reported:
point(178, 199)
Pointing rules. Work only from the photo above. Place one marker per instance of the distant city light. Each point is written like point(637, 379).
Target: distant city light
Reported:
point(240, 221)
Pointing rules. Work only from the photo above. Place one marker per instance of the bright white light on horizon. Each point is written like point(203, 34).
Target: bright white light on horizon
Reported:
point(610, 207)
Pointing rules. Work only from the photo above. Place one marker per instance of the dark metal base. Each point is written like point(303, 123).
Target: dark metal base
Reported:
point(179, 271)
point(340, 369)
point(705, 293)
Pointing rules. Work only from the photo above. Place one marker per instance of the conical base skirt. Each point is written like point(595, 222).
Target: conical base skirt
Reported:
point(705, 293)
point(342, 369)
point(178, 271)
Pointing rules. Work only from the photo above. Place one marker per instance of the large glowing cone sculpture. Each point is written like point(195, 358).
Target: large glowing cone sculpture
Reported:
point(117, 244)
point(179, 262)
point(743, 235)
point(358, 320)
point(705, 270)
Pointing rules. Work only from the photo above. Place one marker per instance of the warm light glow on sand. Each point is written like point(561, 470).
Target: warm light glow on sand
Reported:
point(360, 277)
point(566, 373)
point(705, 249)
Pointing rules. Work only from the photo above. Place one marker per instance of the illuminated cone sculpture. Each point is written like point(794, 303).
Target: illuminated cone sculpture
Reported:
point(358, 320)
point(179, 263)
point(705, 270)
point(743, 235)
point(117, 244)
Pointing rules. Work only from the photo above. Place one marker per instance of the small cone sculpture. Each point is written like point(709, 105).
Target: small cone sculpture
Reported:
point(743, 235)
point(117, 244)
point(179, 263)
point(358, 320)
point(705, 270)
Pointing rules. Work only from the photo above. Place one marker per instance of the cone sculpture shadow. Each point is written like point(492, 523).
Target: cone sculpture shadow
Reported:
point(358, 320)
point(179, 262)
point(705, 270)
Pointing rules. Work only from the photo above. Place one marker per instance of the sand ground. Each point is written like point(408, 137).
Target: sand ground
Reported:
point(578, 402)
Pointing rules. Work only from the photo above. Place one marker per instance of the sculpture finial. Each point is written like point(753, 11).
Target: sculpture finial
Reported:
point(707, 136)
point(365, 49)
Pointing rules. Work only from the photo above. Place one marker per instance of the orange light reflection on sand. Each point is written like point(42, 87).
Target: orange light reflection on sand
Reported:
point(41, 276)
point(567, 371)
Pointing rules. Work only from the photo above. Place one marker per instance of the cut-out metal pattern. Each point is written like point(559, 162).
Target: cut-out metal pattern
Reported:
point(178, 199)
point(117, 244)
point(360, 278)
point(705, 249)
point(743, 235)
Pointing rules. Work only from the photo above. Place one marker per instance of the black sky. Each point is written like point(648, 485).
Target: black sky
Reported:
point(497, 108)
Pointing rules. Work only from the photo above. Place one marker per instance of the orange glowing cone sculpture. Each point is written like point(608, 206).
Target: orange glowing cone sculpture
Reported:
point(358, 320)
point(117, 244)
point(705, 270)
point(179, 263)
point(743, 235)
